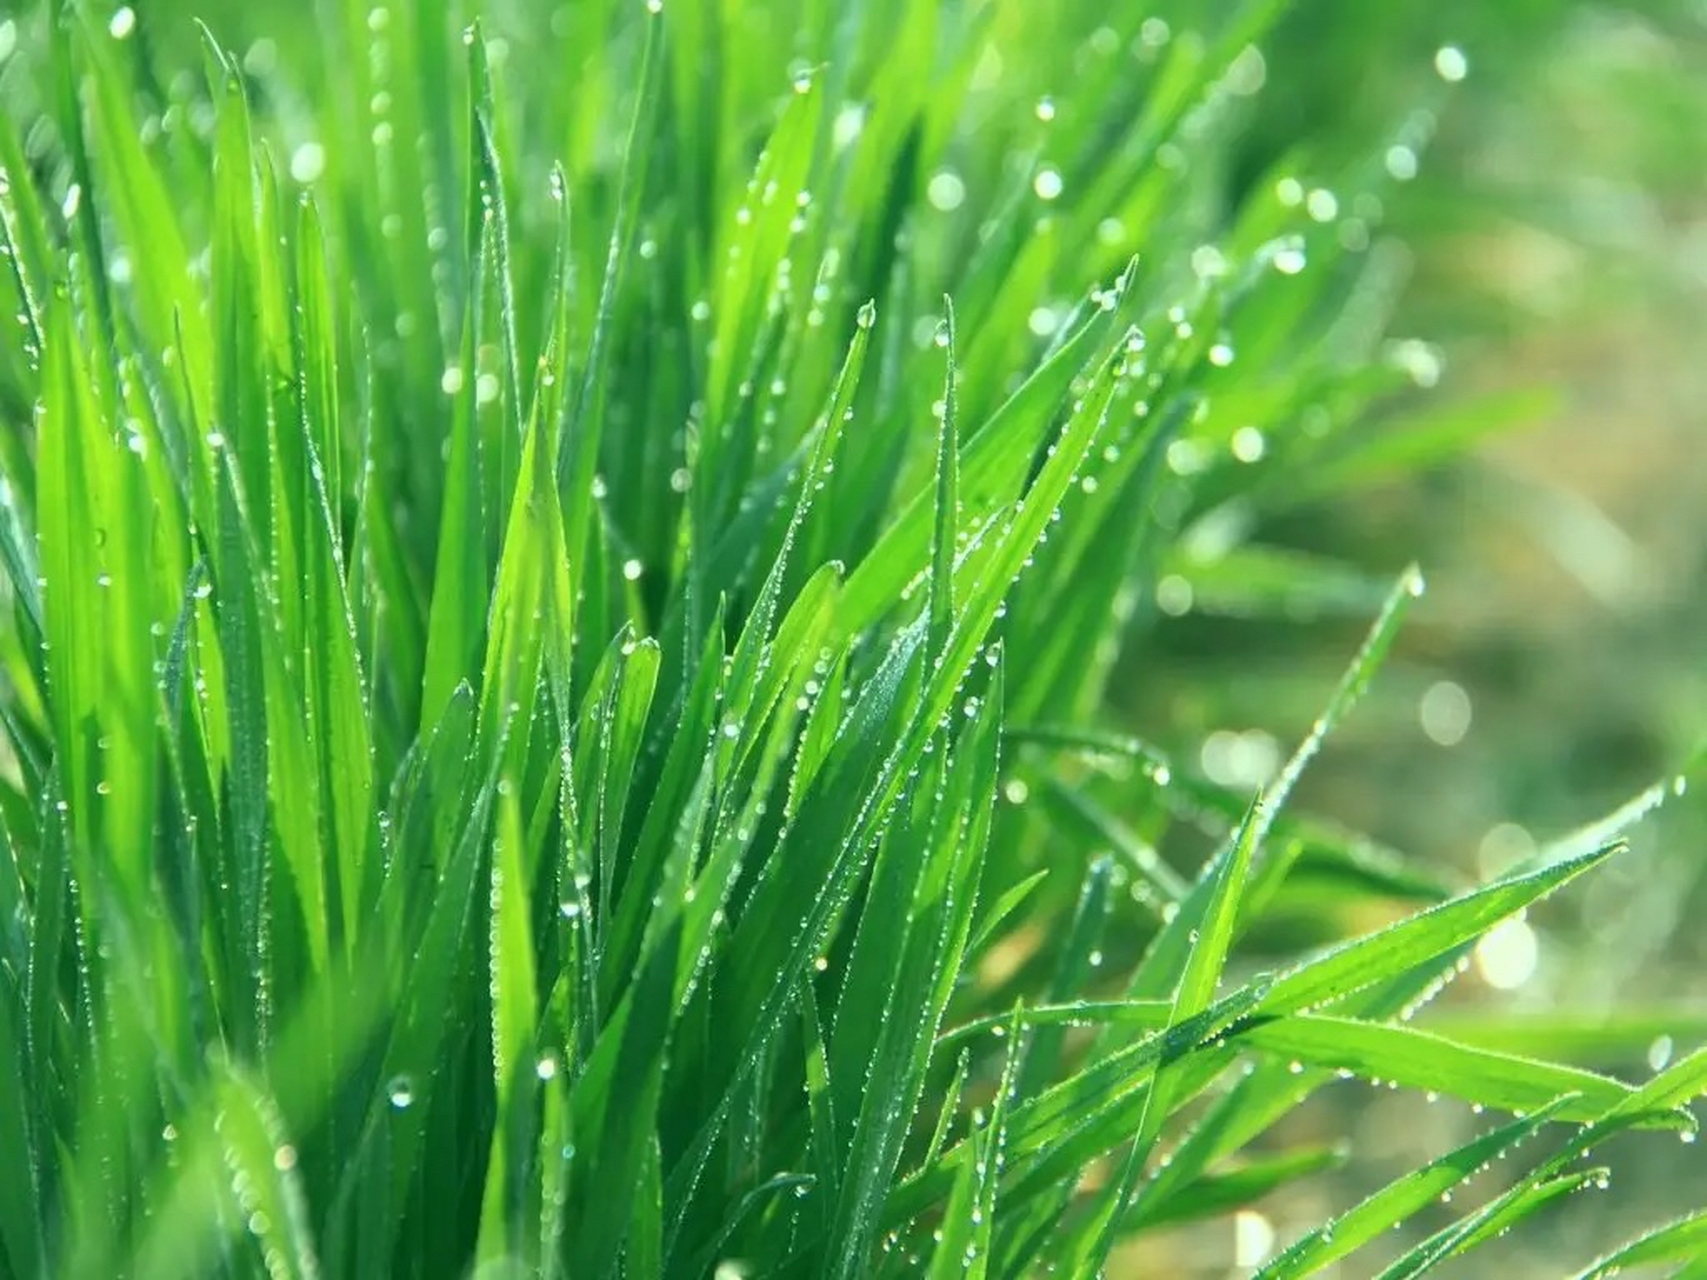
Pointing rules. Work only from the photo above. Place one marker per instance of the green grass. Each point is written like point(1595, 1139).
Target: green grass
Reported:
point(559, 597)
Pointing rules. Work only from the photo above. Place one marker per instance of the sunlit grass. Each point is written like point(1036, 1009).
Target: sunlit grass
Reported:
point(557, 627)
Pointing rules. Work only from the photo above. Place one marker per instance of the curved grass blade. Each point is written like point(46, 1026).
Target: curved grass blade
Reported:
point(1521, 1203)
point(1403, 1198)
point(1682, 1240)
point(1208, 918)
point(1418, 1060)
point(1388, 952)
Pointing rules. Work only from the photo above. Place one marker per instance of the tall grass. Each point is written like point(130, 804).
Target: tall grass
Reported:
point(560, 582)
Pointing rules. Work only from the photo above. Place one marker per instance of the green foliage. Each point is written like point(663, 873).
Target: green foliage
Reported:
point(552, 690)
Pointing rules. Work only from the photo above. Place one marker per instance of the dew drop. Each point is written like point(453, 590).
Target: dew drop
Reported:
point(308, 162)
point(1290, 259)
point(946, 191)
point(1322, 205)
point(1249, 444)
point(1451, 64)
point(1401, 162)
point(1253, 1238)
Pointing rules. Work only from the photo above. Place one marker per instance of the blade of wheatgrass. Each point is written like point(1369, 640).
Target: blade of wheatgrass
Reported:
point(1403, 1198)
point(1209, 924)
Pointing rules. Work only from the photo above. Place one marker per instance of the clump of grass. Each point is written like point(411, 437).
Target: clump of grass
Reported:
point(556, 627)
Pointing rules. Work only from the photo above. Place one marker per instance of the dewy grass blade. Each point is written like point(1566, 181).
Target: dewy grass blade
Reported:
point(1528, 1198)
point(1403, 1198)
point(510, 957)
point(1352, 684)
point(1075, 963)
point(583, 422)
point(1362, 963)
point(1661, 1097)
point(22, 1234)
point(1208, 924)
point(1417, 1060)
point(1682, 1240)
point(991, 472)
point(947, 495)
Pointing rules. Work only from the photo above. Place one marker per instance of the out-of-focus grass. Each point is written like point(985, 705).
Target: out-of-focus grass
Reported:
point(1557, 242)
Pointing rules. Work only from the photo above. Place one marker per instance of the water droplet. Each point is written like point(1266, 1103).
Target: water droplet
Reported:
point(1289, 259)
point(1253, 1238)
point(401, 1092)
point(1046, 109)
point(1420, 360)
point(850, 123)
point(307, 162)
point(1445, 713)
point(1048, 183)
point(1451, 64)
point(632, 569)
point(1659, 1053)
point(123, 22)
point(1401, 162)
point(946, 191)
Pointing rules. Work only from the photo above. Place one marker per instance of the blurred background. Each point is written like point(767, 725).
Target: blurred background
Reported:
point(1556, 244)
